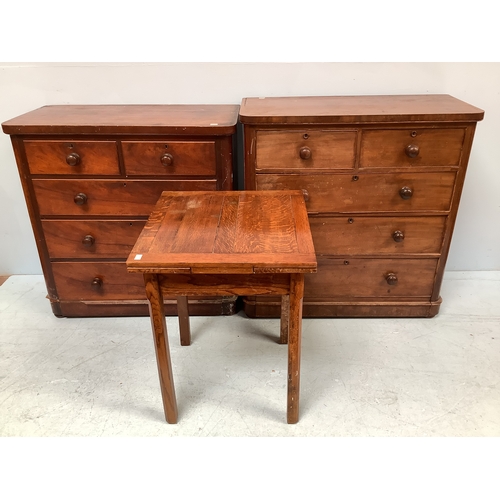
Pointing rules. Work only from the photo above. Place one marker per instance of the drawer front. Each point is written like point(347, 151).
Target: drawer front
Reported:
point(169, 158)
point(346, 193)
point(364, 278)
point(411, 147)
point(305, 149)
point(72, 157)
point(358, 235)
point(107, 197)
point(97, 281)
point(82, 239)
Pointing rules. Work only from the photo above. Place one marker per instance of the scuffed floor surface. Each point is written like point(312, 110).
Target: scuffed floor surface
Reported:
point(360, 377)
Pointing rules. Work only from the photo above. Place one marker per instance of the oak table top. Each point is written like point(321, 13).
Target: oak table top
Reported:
point(240, 232)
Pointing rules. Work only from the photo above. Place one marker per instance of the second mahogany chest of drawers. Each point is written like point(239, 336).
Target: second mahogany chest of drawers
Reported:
point(382, 177)
point(91, 176)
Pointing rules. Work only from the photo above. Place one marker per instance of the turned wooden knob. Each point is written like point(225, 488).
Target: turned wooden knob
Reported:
point(398, 236)
point(73, 159)
point(305, 192)
point(80, 199)
point(391, 279)
point(96, 283)
point(406, 192)
point(167, 160)
point(305, 153)
point(412, 150)
point(88, 240)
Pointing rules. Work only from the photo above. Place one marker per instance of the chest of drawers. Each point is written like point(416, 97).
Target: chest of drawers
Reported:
point(91, 176)
point(382, 177)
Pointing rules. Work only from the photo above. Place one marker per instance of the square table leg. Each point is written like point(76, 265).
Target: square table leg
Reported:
point(294, 345)
point(159, 325)
point(285, 318)
point(183, 313)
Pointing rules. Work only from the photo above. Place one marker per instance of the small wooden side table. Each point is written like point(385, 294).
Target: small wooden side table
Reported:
point(199, 243)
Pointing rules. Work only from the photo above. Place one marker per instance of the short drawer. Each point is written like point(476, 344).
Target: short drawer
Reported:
point(411, 148)
point(305, 149)
point(97, 281)
point(345, 193)
point(169, 158)
point(87, 239)
point(363, 278)
point(107, 197)
point(103, 281)
point(72, 157)
point(361, 235)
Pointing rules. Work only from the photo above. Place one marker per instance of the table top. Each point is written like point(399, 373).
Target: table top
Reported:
point(179, 119)
point(226, 232)
point(356, 109)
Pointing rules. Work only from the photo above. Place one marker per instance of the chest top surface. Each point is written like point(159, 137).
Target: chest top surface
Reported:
point(356, 109)
point(183, 119)
point(227, 232)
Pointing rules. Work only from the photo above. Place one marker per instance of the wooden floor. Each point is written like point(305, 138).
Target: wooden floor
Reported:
point(3, 279)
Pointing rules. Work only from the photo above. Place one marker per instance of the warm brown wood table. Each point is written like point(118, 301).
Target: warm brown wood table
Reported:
point(199, 243)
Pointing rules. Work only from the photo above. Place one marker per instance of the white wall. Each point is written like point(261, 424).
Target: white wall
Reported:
point(23, 87)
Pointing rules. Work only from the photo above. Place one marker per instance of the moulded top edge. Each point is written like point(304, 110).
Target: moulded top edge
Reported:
point(212, 119)
point(357, 109)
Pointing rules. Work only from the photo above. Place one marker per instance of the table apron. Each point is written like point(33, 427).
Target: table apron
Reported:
point(192, 285)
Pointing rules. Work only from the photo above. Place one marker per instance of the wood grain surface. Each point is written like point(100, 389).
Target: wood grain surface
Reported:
point(355, 109)
point(181, 119)
point(239, 232)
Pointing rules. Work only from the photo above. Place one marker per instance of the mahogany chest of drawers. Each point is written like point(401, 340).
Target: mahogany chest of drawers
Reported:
point(382, 177)
point(91, 176)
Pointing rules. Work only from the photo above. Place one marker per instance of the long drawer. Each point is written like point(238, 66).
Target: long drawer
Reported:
point(364, 278)
point(97, 281)
point(107, 197)
point(91, 239)
point(106, 281)
point(345, 193)
point(371, 235)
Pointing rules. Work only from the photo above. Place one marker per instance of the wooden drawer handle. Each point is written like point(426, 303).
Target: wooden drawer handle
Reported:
point(73, 159)
point(88, 240)
point(391, 279)
point(96, 283)
point(406, 193)
point(305, 153)
point(80, 199)
point(167, 160)
point(398, 236)
point(412, 150)
point(305, 192)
